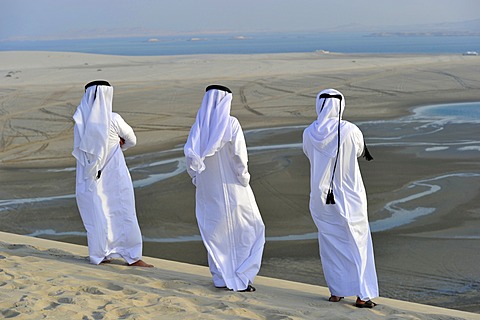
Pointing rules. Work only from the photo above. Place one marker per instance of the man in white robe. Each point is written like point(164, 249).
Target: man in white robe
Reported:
point(338, 201)
point(227, 214)
point(104, 189)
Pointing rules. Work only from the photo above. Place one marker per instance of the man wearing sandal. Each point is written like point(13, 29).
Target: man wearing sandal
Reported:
point(338, 202)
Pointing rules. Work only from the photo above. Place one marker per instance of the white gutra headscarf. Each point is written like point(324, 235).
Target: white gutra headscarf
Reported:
point(211, 129)
point(324, 131)
point(92, 123)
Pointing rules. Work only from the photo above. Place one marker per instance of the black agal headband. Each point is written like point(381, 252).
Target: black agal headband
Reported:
point(327, 95)
point(218, 87)
point(97, 83)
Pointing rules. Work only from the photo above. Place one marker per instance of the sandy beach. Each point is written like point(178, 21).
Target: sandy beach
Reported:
point(423, 264)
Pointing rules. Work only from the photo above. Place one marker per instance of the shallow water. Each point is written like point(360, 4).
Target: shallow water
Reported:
point(436, 145)
point(355, 42)
point(417, 130)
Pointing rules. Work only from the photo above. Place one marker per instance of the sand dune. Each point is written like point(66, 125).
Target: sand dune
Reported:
point(46, 279)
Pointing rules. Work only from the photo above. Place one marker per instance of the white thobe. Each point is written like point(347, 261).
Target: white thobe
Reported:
point(227, 214)
point(346, 249)
point(107, 206)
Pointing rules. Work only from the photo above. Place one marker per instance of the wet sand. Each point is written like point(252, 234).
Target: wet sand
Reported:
point(432, 260)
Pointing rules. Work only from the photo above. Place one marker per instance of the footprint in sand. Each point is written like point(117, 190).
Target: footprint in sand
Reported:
point(92, 290)
point(113, 287)
point(66, 300)
point(9, 314)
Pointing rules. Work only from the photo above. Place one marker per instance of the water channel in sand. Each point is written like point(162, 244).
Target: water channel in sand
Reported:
point(282, 145)
point(423, 190)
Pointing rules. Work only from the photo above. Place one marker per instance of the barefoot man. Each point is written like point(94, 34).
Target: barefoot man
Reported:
point(104, 188)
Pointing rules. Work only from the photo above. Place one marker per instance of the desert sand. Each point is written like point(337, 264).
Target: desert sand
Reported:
point(47, 279)
point(433, 260)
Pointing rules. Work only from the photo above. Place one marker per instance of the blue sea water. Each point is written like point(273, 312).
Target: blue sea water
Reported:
point(457, 112)
point(255, 43)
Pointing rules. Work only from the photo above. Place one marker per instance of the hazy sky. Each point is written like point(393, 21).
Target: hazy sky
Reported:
point(70, 18)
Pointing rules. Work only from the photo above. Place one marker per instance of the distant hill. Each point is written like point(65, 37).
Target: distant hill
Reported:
point(469, 27)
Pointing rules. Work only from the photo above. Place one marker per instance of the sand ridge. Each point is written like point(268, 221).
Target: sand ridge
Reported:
point(42, 278)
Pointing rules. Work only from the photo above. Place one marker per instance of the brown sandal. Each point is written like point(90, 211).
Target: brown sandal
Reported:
point(249, 288)
point(335, 298)
point(364, 304)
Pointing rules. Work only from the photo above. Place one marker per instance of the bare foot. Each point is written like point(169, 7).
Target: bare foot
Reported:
point(141, 263)
point(106, 261)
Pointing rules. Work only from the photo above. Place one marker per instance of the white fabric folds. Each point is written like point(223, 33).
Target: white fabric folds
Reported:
point(92, 123)
point(106, 201)
point(228, 218)
point(346, 248)
point(211, 128)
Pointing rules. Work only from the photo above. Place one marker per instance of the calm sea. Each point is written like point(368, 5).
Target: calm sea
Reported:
point(256, 43)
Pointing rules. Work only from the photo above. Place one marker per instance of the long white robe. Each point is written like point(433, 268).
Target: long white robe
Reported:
point(107, 204)
point(227, 214)
point(346, 249)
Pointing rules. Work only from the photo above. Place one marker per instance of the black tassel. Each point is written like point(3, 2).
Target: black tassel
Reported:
point(330, 197)
point(367, 154)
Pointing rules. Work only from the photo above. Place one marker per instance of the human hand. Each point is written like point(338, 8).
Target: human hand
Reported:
point(122, 141)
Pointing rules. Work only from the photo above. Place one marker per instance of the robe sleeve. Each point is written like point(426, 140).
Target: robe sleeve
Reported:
point(240, 155)
point(358, 141)
point(304, 142)
point(191, 173)
point(124, 131)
